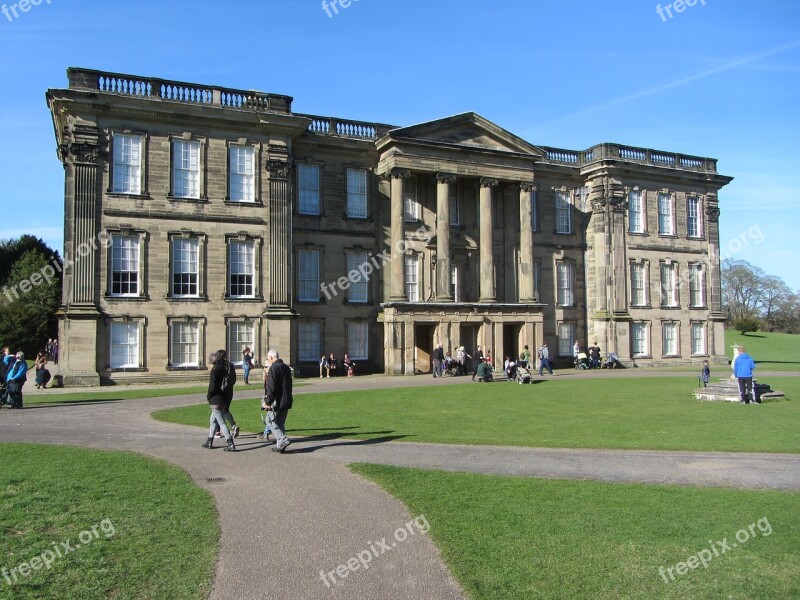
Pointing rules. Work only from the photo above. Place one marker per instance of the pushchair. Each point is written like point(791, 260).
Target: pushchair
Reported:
point(523, 375)
point(451, 368)
point(612, 361)
point(582, 361)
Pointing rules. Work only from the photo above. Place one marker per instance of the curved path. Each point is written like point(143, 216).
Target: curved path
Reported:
point(288, 519)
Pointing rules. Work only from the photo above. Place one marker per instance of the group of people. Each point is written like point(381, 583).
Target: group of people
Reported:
point(328, 366)
point(276, 402)
point(13, 375)
point(443, 362)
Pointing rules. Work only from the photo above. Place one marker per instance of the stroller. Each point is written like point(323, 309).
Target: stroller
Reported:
point(523, 375)
point(582, 361)
point(612, 361)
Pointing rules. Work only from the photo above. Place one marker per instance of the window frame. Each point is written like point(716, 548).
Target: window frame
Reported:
point(349, 326)
point(199, 239)
point(643, 326)
point(352, 195)
point(565, 348)
point(138, 323)
point(698, 218)
point(642, 212)
point(454, 200)
point(674, 300)
point(570, 288)
point(408, 259)
point(301, 189)
point(697, 272)
point(199, 325)
point(303, 342)
point(703, 338)
point(563, 208)
point(412, 211)
point(308, 252)
point(254, 176)
point(673, 326)
point(645, 280)
point(174, 193)
point(360, 281)
point(141, 241)
point(255, 244)
point(236, 355)
point(114, 186)
point(666, 199)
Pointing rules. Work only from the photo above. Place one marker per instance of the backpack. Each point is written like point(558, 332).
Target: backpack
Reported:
point(228, 380)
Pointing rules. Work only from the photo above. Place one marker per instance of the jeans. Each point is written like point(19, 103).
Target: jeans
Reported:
point(746, 390)
point(217, 417)
point(437, 368)
point(546, 364)
point(246, 368)
point(277, 421)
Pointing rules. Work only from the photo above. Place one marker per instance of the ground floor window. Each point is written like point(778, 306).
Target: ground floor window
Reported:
point(639, 340)
point(184, 347)
point(358, 340)
point(699, 338)
point(241, 335)
point(669, 339)
point(124, 345)
point(566, 338)
point(309, 341)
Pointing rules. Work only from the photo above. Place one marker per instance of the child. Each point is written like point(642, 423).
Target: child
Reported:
point(705, 374)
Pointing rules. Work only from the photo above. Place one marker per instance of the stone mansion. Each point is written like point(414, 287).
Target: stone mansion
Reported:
point(199, 217)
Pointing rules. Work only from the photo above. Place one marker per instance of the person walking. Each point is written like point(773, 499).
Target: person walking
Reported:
point(220, 394)
point(247, 364)
point(544, 358)
point(264, 436)
point(279, 399)
point(438, 359)
point(743, 367)
point(461, 357)
point(15, 379)
point(478, 361)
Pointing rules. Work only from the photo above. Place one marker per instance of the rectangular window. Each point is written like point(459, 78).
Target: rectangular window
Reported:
point(640, 346)
point(357, 193)
point(309, 341)
point(454, 288)
point(412, 277)
point(185, 344)
point(242, 266)
point(185, 268)
point(410, 202)
point(669, 289)
point(669, 333)
point(638, 284)
point(127, 175)
point(566, 338)
point(699, 338)
point(241, 335)
point(635, 212)
point(124, 265)
point(186, 169)
point(242, 174)
point(357, 292)
point(455, 205)
point(308, 276)
point(563, 213)
point(308, 189)
point(693, 222)
point(666, 224)
point(358, 340)
point(124, 345)
point(697, 286)
point(566, 283)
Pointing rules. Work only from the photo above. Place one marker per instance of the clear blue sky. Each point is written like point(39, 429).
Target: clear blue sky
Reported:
point(719, 79)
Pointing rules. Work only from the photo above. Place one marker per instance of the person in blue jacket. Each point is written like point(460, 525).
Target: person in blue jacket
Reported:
point(743, 367)
point(15, 379)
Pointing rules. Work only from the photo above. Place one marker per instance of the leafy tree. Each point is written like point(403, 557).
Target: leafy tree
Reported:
point(742, 288)
point(746, 325)
point(12, 250)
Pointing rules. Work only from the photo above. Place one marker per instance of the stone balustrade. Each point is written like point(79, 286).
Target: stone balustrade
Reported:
point(632, 154)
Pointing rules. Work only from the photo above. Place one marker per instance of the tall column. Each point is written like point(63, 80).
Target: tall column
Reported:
point(714, 278)
point(443, 287)
point(397, 287)
point(486, 267)
point(526, 283)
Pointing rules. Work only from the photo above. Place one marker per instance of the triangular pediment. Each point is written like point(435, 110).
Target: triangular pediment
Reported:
point(468, 130)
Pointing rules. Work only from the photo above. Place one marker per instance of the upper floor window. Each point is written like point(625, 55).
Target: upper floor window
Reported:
point(411, 210)
point(669, 287)
point(412, 277)
point(638, 284)
point(127, 172)
point(455, 289)
point(635, 212)
point(186, 169)
point(185, 267)
point(694, 224)
point(455, 205)
point(308, 189)
point(566, 283)
point(357, 193)
point(242, 180)
point(357, 292)
point(666, 216)
point(241, 268)
point(563, 213)
point(125, 265)
point(308, 275)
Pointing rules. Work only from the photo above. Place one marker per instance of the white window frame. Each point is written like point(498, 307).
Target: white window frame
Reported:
point(186, 161)
point(638, 328)
point(697, 285)
point(241, 174)
point(308, 275)
point(128, 163)
point(566, 338)
point(238, 249)
point(309, 341)
point(563, 206)
point(455, 288)
point(185, 326)
point(670, 290)
point(699, 343)
point(179, 259)
point(357, 193)
point(636, 214)
point(131, 345)
point(455, 205)
point(240, 334)
point(358, 340)
point(670, 338)
point(411, 207)
point(694, 218)
point(411, 277)
point(643, 286)
point(565, 283)
point(358, 291)
point(308, 189)
point(666, 214)
point(117, 262)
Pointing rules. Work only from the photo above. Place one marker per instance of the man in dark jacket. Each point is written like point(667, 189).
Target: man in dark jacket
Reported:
point(478, 361)
point(220, 394)
point(279, 398)
point(438, 359)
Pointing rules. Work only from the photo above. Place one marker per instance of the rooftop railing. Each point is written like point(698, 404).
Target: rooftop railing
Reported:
point(646, 156)
point(346, 128)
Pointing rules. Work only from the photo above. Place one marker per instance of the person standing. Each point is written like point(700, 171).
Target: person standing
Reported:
point(220, 394)
point(478, 361)
point(544, 358)
point(6, 360)
point(705, 374)
point(461, 357)
point(279, 399)
point(247, 364)
point(15, 379)
point(55, 351)
point(42, 374)
point(438, 359)
point(264, 436)
point(743, 367)
point(576, 349)
point(525, 354)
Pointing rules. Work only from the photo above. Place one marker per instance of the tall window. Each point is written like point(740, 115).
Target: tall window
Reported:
point(640, 345)
point(693, 222)
point(412, 277)
point(357, 193)
point(455, 205)
point(563, 213)
point(185, 267)
point(124, 265)
point(309, 341)
point(127, 175)
point(666, 223)
point(566, 283)
point(242, 174)
point(357, 292)
point(699, 338)
point(638, 284)
point(242, 268)
point(308, 276)
point(410, 202)
point(669, 288)
point(635, 212)
point(455, 290)
point(124, 345)
point(566, 338)
point(185, 169)
point(669, 339)
point(697, 286)
point(241, 335)
point(184, 344)
point(358, 340)
point(308, 189)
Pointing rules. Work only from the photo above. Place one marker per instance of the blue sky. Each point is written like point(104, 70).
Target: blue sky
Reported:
point(718, 79)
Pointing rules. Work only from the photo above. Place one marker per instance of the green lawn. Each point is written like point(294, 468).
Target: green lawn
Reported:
point(512, 538)
point(643, 413)
point(110, 395)
point(771, 351)
point(126, 526)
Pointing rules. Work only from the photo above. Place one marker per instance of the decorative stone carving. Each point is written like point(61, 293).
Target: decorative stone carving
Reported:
point(712, 212)
point(279, 169)
point(446, 178)
point(489, 182)
point(400, 173)
point(79, 152)
point(528, 186)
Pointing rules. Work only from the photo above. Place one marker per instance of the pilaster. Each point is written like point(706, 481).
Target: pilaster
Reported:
point(443, 287)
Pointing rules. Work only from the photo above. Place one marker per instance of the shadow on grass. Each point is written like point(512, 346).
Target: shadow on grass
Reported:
point(68, 403)
point(777, 362)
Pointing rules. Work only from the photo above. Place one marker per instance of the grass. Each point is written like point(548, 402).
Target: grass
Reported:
point(156, 532)
point(771, 351)
point(647, 413)
point(511, 538)
point(109, 396)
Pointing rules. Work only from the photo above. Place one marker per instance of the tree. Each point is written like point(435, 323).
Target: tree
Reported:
point(742, 288)
point(746, 325)
point(12, 250)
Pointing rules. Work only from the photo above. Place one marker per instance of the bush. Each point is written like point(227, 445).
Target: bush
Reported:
point(746, 325)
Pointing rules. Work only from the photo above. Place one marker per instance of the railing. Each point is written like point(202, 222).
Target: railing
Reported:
point(176, 91)
point(646, 156)
point(345, 128)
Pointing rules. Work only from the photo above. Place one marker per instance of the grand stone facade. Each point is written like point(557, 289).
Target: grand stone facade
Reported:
point(199, 217)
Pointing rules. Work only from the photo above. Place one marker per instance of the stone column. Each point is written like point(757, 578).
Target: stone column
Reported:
point(526, 283)
point(443, 276)
point(397, 288)
point(486, 267)
point(714, 278)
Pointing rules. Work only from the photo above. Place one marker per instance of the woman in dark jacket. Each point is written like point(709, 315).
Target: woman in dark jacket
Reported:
point(220, 398)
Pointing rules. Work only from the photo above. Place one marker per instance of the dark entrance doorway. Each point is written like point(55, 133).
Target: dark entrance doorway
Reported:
point(423, 347)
